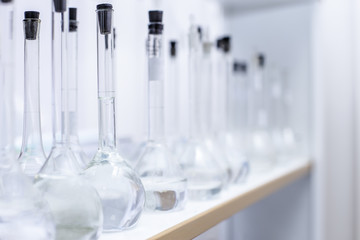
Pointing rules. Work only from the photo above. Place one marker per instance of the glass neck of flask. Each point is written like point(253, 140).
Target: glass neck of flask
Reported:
point(32, 141)
point(172, 98)
point(229, 95)
point(61, 91)
point(72, 93)
point(260, 98)
point(6, 81)
point(205, 93)
point(194, 91)
point(106, 90)
point(155, 87)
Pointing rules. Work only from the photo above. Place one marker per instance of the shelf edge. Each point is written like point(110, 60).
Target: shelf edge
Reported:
point(208, 219)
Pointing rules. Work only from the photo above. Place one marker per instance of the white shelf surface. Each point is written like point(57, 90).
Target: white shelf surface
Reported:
point(198, 217)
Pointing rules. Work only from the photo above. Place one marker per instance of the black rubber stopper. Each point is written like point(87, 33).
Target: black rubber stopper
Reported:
point(31, 15)
point(60, 5)
point(261, 60)
point(114, 37)
point(219, 44)
point(6, 1)
point(226, 42)
point(31, 25)
point(240, 67)
point(72, 14)
point(73, 26)
point(155, 16)
point(155, 19)
point(173, 46)
point(200, 32)
point(104, 12)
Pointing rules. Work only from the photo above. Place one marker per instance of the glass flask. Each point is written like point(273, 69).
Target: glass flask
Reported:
point(174, 137)
point(230, 138)
point(74, 204)
point(7, 80)
point(120, 189)
point(207, 100)
point(163, 178)
point(238, 107)
point(32, 156)
point(205, 175)
point(284, 137)
point(72, 36)
point(260, 150)
point(23, 213)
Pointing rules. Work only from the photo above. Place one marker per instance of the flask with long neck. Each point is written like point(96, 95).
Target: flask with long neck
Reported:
point(164, 181)
point(205, 175)
point(175, 136)
point(7, 80)
point(72, 95)
point(260, 149)
point(234, 147)
point(74, 204)
point(120, 189)
point(207, 103)
point(32, 156)
point(22, 210)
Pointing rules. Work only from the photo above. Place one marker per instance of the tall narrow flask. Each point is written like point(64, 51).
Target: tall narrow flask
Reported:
point(121, 191)
point(260, 148)
point(72, 94)
point(234, 147)
point(32, 156)
point(238, 106)
point(175, 138)
point(163, 179)
point(23, 213)
point(284, 137)
point(74, 204)
point(172, 88)
point(205, 176)
point(207, 102)
point(7, 80)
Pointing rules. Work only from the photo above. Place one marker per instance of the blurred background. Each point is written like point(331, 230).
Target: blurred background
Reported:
point(315, 42)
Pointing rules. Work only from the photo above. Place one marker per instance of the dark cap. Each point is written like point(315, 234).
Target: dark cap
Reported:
point(226, 42)
point(155, 19)
point(173, 46)
point(240, 67)
point(155, 16)
point(59, 5)
point(6, 1)
point(73, 25)
point(31, 25)
point(31, 15)
point(73, 14)
point(200, 32)
point(261, 59)
point(104, 12)
point(219, 43)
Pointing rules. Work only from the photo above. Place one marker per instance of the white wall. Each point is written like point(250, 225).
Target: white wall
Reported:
point(335, 68)
point(284, 34)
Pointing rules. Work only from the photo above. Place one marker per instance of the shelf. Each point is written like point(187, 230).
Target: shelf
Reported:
point(198, 217)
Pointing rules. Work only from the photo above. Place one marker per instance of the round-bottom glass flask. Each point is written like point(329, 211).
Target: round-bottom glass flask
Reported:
point(120, 189)
point(204, 174)
point(163, 179)
point(23, 213)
